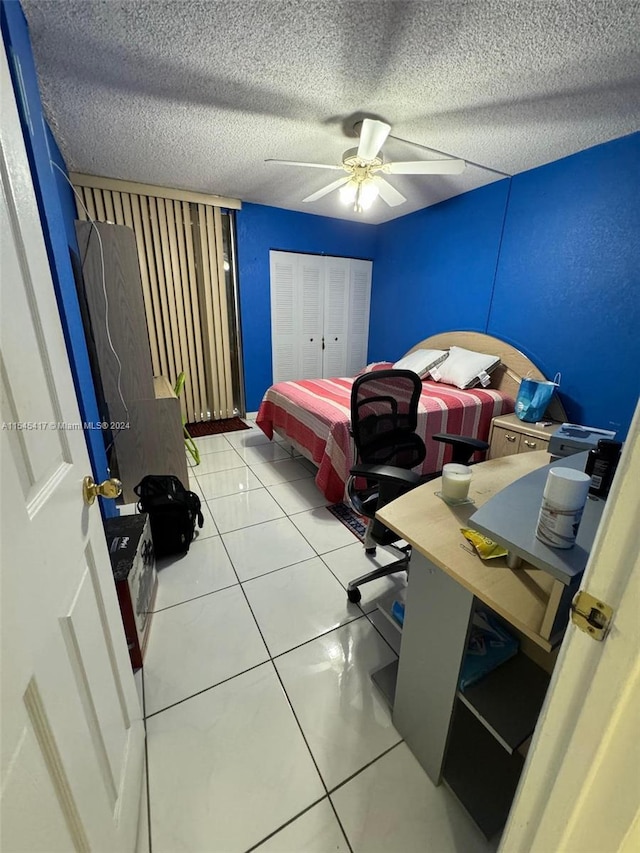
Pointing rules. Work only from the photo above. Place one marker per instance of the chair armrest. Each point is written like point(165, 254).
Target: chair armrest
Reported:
point(463, 446)
point(387, 473)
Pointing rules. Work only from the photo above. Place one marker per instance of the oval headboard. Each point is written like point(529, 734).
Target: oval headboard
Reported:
point(514, 365)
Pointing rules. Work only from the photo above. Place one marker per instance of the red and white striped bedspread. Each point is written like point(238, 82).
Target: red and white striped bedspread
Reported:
point(315, 413)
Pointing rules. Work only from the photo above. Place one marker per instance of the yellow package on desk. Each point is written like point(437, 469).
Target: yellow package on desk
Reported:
point(486, 548)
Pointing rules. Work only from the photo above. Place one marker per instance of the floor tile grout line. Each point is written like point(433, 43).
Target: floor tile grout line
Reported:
point(365, 612)
point(195, 597)
point(304, 737)
point(365, 767)
point(340, 824)
point(286, 823)
point(284, 482)
point(146, 758)
point(313, 758)
point(210, 687)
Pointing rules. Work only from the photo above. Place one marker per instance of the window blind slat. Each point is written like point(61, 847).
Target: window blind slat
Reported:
point(178, 325)
point(206, 315)
point(189, 212)
point(224, 311)
point(190, 334)
point(165, 326)
point(146, 273)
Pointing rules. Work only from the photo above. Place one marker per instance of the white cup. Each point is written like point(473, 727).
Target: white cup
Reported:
point(455, 482)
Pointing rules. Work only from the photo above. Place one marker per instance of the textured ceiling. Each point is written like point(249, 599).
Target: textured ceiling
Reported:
point(199, 94)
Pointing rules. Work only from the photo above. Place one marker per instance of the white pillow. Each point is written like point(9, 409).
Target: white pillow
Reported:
point(422, 361)
point(465, 368)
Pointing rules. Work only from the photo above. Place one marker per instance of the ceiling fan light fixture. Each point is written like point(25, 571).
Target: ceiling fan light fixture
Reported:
point(348, 192)
point(368, 194)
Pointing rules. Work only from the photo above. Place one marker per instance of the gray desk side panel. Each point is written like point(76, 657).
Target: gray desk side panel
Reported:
point(434, 639)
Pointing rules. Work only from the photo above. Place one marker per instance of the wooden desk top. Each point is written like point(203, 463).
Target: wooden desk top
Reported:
point(432, 527)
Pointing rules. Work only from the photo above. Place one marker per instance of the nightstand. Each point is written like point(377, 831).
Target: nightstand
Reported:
point(510, 435)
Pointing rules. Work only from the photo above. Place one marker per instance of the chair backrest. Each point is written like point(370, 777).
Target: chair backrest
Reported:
point(384, 416)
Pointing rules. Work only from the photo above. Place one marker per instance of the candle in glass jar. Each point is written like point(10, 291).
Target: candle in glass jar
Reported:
point(455, 482)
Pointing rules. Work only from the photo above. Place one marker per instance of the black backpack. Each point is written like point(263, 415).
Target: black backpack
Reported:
point(173, 511)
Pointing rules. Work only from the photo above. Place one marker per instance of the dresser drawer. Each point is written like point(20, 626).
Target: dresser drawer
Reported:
point(504, 442)
point(529, 443)
point(509, 435)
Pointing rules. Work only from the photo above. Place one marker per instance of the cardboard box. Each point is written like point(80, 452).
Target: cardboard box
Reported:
point(134, 572)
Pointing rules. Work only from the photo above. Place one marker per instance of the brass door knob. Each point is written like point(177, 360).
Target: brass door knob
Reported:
point(111, 488)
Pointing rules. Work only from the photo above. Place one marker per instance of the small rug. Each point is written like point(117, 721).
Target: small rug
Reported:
point(201, 428)
point(348, 517)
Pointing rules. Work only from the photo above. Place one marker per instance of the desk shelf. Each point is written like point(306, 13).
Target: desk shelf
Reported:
point(508, 700)
point(481, 774)
point(386, 602)
point(383, 620)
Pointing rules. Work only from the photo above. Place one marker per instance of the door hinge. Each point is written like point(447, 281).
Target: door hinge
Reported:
point(591, 615)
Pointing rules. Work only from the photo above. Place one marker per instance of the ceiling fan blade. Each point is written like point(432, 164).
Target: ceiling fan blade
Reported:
point(372, 136)
point(388, 193)
point(326, 190)
point(311, 165)
point(425, 167)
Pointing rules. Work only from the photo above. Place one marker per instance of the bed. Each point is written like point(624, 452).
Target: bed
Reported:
point(313, 415)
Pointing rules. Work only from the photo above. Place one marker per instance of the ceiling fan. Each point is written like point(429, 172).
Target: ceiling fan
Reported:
point(364, 165)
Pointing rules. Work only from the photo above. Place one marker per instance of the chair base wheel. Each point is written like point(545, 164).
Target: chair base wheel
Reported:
point(354, 595)
point(370, 551)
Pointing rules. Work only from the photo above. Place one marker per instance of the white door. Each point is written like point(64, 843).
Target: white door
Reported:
point(359, 302)
point(310, 285)
point(580, 789)
point(284, 325)
point(319, 315)
point(72, 733)
point(336, 316)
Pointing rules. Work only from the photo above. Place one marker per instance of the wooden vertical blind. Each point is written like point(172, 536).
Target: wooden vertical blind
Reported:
point(182, 267)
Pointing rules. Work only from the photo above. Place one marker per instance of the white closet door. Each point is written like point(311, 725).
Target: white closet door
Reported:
point(284, 326)
point(315, 297)
point(336, 316)
point(310, 282)
point(359, 304)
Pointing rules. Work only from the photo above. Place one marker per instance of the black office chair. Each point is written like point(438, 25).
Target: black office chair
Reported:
point(384, 416)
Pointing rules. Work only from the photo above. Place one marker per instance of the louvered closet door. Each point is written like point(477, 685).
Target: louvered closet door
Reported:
point(284, 326)
point(310, 281)
point(359, 304)
point(336, 316)
point(315, 297)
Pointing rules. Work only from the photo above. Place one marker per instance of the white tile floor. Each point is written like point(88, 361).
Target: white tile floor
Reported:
point(264, 730)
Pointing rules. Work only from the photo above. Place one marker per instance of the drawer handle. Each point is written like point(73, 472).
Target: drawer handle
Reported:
point(510, 437)
point(529, 443)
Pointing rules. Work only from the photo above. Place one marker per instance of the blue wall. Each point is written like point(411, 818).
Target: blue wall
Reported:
point(259, 229)
point(567, 283)
point(434, 270)
point(57, 214)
